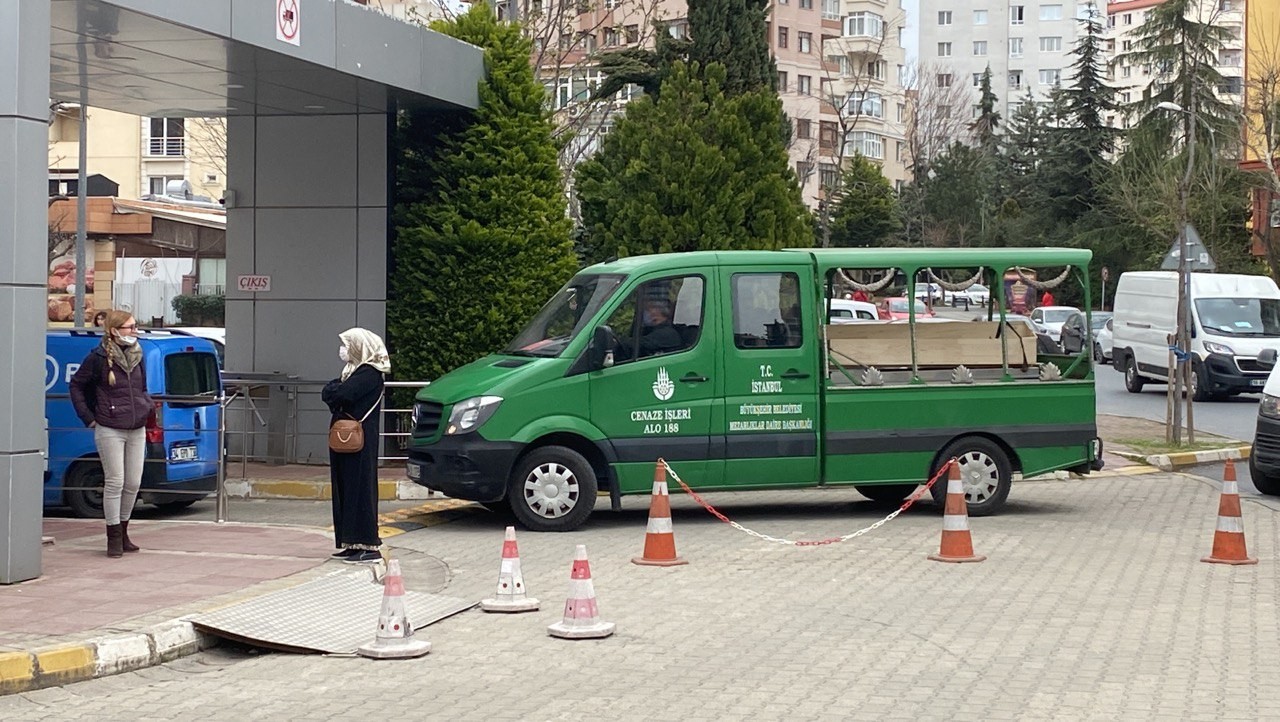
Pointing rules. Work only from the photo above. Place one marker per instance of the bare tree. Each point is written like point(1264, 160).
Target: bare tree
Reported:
point(208, 136)
point(937, 118)
point(1262, 137)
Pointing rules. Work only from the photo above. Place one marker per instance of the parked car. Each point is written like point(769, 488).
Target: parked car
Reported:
point(930, 292)
point(1044, 342)
point(846, 311)
point(1264, 461)
point(894, 309)
point(975, 295)
point(1051, 319)
point(1073, 337)
point(1102, 342)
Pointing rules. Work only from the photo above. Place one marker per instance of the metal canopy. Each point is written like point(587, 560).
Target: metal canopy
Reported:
point(210, 58)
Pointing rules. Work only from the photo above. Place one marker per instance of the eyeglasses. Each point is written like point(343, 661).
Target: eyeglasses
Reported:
point(130, 327)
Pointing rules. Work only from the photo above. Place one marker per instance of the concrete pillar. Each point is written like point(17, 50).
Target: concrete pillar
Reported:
point(24, 135)
point(310, 211)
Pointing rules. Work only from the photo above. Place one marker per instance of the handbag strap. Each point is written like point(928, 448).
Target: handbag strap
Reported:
point(375, 405)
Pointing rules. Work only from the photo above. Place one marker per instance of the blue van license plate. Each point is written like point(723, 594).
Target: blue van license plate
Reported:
point(185, 452)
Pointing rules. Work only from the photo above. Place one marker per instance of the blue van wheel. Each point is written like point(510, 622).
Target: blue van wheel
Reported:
point(84, 492)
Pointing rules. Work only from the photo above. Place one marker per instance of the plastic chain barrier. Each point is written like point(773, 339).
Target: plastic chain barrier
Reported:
point(915, 496)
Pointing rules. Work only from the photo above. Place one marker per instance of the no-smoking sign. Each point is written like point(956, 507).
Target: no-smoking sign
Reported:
point(288, 22)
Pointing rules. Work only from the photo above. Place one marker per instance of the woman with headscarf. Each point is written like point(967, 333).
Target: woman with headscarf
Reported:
point(109, 393)
point(357, 394)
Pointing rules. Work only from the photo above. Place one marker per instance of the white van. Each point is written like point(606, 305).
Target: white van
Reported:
point(1234, 317)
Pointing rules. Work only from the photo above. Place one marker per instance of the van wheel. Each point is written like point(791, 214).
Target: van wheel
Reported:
point(985, 472)
point(1265, 484)
point(553, 489)
point(1133, 383)
point(1200, 389)
point(85, 493)
point(885, 493)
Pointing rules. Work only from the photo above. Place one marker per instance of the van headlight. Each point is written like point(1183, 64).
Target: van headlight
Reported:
point(470, 414)
point(1270, 406)
point(1221, 348)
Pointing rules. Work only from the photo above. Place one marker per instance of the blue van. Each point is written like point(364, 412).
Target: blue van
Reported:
point(182, 435)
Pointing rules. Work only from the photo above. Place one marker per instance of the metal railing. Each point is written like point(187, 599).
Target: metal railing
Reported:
point(166, 146)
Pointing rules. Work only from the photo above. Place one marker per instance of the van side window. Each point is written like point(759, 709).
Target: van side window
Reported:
point(660, 317)
point(766, 310)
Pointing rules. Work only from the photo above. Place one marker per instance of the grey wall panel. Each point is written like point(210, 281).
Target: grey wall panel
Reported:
point(372, 162)
point(310, 253)
point(241, 141)
point(373, 316)
point(254, 22)
point(24, 73)
point(240, 342)
point(22, 310)
point(313, 420)
point(23, 221)
point(212, 16)
point(306, 161)
point(301, 337)
point(377, 49)
point(371, 255)
point(240, 249)
point(451, 69)
point(21, 484)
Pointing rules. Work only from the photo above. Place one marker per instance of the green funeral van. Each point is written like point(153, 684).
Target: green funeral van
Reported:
point(731, 366)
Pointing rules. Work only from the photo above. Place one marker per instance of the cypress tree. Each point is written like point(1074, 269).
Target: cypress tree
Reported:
point(481, 233)
point(734, 33)
point(866, 214)
point(985, 126)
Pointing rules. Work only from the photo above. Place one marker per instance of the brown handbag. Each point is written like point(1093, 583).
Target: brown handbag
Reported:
point(346, 436)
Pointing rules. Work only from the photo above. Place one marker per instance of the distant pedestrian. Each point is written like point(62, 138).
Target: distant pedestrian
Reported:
point(1047, 298)
point(861, 295)
point(109, 393)
point(99, 318)
point(357, 394)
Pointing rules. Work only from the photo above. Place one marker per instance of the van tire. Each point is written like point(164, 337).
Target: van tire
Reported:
point(568, 476)
point(1133, 381)
point(1269, 485)
point(85, 502)
point(982, 462)
point(885, 493)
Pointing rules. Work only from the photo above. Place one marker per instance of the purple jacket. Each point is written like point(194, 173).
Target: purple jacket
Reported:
point(126, 405)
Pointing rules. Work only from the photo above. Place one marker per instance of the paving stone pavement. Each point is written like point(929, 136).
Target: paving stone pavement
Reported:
point(1093, 604)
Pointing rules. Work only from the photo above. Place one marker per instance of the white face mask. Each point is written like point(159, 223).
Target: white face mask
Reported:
point(127, 340)
point(343, 355)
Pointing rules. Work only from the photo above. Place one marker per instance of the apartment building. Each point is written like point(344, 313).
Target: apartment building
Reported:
point(1026, 45)
point(1133, 81)
point(1262, 90)
point(816, 76)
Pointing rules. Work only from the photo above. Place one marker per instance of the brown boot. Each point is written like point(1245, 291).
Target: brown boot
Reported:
point(124, 537)
point(114, 538)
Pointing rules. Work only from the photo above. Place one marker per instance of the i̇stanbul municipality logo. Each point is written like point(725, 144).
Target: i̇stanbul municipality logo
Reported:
point(663, 388)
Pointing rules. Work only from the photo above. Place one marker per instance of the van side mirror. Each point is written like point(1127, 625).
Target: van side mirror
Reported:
point(603, 343)
point(1267, 359)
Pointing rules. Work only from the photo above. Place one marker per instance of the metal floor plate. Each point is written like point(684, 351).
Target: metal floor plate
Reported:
point(334, 615)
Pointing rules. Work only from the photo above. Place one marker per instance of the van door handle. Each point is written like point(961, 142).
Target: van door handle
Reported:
point(693, 378)
point(794, 374)
point(1137, 325)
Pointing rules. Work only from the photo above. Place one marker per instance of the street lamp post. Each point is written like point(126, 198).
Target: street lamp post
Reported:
point(1180, 370)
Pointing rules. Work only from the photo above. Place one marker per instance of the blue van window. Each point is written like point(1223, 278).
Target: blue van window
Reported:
point(191, 374)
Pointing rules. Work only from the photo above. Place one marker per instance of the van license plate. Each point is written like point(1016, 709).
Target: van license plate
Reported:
point(182, 453)
point(1257, 382)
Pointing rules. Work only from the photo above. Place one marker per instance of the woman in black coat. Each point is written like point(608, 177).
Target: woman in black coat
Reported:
point(357, 394)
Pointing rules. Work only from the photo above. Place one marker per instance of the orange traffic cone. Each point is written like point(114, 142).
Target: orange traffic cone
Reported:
point(394, 639)
point(1228, 538)
point(957, 545)
point(659, 538)
point(581, 614)
point(511, 596)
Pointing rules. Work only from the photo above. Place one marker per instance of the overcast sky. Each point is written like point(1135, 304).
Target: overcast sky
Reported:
point(912, 39)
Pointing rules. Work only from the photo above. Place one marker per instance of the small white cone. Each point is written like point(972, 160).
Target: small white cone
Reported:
point(511, 592)
point(394, 639)
point(581, 614)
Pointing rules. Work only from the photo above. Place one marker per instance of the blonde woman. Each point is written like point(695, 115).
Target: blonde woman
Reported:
point(109, 393)
point(357, 394)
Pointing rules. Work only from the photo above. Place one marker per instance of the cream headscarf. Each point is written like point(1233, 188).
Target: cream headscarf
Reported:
point(364, 347)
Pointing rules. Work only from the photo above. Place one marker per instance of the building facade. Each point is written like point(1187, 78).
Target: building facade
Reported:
point(1261, 154)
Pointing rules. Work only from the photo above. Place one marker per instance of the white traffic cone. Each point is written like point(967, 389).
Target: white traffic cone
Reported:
point(394, 639)
point(581, 615)
point(511, 593)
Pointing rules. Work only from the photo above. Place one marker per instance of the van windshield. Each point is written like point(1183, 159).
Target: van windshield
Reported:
point(1239, 316)
point(564, 316)
point(192, 375)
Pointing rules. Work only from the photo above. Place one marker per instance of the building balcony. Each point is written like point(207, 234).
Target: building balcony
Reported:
point(861, 47)
point(166, 147)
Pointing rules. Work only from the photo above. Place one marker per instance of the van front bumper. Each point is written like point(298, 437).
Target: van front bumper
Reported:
point(158, 488)
point(1224, 376)
point(467, 467)
point(1266, 445)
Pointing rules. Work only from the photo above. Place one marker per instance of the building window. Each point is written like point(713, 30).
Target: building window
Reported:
point(782, 80)
point(1126, 71)
point(804, 84)
point(1017, 15)
point(1128, 18)
point(864, 25)
point(877, 69)
point(869, 145)
point(827, 135)
point(806, 42)
point(1231, 86)
point(979, 47)
point(828, 174)
point(782, 36)
point(944, 50)
point(944, 80)
point(612, 37)
point(830, 9)
point(167, 137)
point(806, 4)
point(944, 17)
point(633, 34)
point(897, 150)
point(1226, 6)
point(902, 112)
point(783, 2)
point(804, 128)
point(803, 170)
point(1126, 97)
point(1050, 76)
point(1015, 47)
point(1015, 80)
point(1111, 21)
point(866, 103)
point(1230, 58)
point(979, 17)
point(159, 184)
point(1051, 44)
point(977, 80)
point(1050, 12)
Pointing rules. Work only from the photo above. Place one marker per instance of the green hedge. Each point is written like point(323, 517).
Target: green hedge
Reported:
point(201, 310)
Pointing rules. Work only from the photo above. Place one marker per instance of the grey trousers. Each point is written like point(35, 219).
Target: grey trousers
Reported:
point(123, 451)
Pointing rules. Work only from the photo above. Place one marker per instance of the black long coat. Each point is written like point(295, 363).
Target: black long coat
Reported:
point(354, 476)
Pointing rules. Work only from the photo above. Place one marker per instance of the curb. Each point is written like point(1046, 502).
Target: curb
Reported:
point(1181, 460)
point(320, 490)
point(99, 657)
